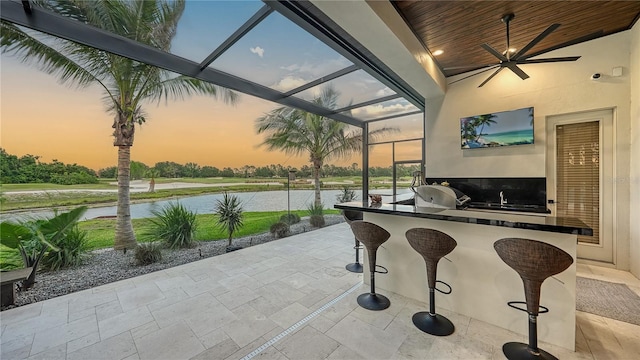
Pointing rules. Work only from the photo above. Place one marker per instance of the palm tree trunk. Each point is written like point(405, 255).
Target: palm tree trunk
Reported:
point(125, 238)
point(317, 165)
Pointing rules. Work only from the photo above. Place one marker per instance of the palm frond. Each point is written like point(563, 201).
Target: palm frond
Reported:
point(181, 87)
point(33, 51)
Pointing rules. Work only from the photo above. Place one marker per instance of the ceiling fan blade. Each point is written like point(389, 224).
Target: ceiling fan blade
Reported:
point(479, 72)
point(535, 41)
point(514, 67)
point(494, 52)
point(491, 76)
point(565, 44)
point(548, 60)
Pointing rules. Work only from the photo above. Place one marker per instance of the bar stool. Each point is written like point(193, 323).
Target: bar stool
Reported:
point(351, 216)
point(432, 245)
point(534, 261)
point(371, 236)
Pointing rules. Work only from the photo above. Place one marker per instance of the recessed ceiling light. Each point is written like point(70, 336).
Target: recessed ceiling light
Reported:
point(438, 52)
point(511, 51)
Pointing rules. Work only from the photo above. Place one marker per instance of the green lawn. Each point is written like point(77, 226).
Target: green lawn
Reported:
point(102, 184)
point(100, 232)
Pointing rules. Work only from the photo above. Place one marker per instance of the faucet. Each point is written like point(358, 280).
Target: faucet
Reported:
point(502, 199)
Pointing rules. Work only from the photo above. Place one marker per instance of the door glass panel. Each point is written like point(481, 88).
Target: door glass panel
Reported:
point(578, 175)
point(405, 172)
point(401, 128)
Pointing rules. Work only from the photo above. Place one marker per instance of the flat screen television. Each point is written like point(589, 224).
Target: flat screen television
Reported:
point(505, 128)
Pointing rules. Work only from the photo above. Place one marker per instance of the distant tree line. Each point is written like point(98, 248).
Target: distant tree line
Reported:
point(29, 169)
point(169, 169)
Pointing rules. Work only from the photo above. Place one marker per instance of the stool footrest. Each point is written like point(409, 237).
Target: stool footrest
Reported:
point(447, 285)
point(385, 271)
point(513, 304)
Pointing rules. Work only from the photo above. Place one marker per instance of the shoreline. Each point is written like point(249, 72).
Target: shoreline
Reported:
point(214, 189)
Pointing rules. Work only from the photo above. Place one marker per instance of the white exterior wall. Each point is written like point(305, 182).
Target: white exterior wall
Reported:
point(552, 89)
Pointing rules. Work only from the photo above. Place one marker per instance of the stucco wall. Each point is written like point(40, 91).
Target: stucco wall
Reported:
point(552, 89)
point(634, 211)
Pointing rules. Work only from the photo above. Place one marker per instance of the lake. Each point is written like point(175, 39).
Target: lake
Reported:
point(205, 204)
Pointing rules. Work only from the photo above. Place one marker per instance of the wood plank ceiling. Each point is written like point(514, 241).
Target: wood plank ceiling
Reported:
point(458, 28)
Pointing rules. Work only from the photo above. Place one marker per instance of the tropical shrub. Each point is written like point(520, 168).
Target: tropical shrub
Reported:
point(290, 219)
point(316, 215)
point(148, 253)
point(279, 229)
point(175, 225)
point(229, 214)
point(346, 195)
point(33, 238)
point(72, 247)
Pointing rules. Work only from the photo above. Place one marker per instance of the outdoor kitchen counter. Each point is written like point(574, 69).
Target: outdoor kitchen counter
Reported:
point(516, 220)
point(482, 283)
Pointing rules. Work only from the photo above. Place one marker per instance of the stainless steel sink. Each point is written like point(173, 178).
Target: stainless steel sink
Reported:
point(435, 196)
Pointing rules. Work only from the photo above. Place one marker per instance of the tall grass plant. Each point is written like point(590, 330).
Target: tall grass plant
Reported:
point(175, 225)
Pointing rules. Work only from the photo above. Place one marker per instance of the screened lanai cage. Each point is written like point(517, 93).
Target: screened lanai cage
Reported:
point(285, 52)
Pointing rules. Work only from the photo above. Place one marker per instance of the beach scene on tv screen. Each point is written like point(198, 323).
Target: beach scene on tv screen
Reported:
point(504, 128)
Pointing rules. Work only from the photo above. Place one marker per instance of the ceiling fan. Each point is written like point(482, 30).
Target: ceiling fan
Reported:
point(511, 61)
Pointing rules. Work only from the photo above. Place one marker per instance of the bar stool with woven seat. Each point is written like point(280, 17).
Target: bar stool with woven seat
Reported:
point(351, 216)
point(432, 245)
point(534, 261)
point(371, 236)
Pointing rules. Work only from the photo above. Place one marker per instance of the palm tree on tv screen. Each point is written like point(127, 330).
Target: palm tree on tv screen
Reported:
point(482, 121)
point(297, 132)
point(127, 85)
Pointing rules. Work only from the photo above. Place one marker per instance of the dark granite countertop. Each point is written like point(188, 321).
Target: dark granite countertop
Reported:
point(470, 216)
point(509, 207)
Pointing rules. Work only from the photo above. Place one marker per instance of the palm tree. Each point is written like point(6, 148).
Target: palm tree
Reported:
point(483, 120)
point(126, 84)
point(298, 132)
point(229, 212)
point(152, 173)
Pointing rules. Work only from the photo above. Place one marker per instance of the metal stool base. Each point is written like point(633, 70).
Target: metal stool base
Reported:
point(433, 324)
point(521, 351)
point(374, 302)
point(354, 267)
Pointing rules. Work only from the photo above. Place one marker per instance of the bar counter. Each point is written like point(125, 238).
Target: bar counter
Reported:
point(482, 283)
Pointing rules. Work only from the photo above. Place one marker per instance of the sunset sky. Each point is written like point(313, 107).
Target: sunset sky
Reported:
point(41, 117)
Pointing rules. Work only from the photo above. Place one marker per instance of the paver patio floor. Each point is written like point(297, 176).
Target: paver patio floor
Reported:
point(238, 305)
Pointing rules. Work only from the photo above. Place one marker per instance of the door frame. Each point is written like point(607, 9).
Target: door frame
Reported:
point(607, 140)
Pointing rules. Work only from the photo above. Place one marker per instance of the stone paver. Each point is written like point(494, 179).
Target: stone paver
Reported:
point(227, 306)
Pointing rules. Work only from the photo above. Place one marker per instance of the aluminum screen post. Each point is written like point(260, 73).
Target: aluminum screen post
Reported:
point(365, 161)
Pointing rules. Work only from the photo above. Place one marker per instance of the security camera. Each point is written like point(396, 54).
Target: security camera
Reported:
point(596, 76)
